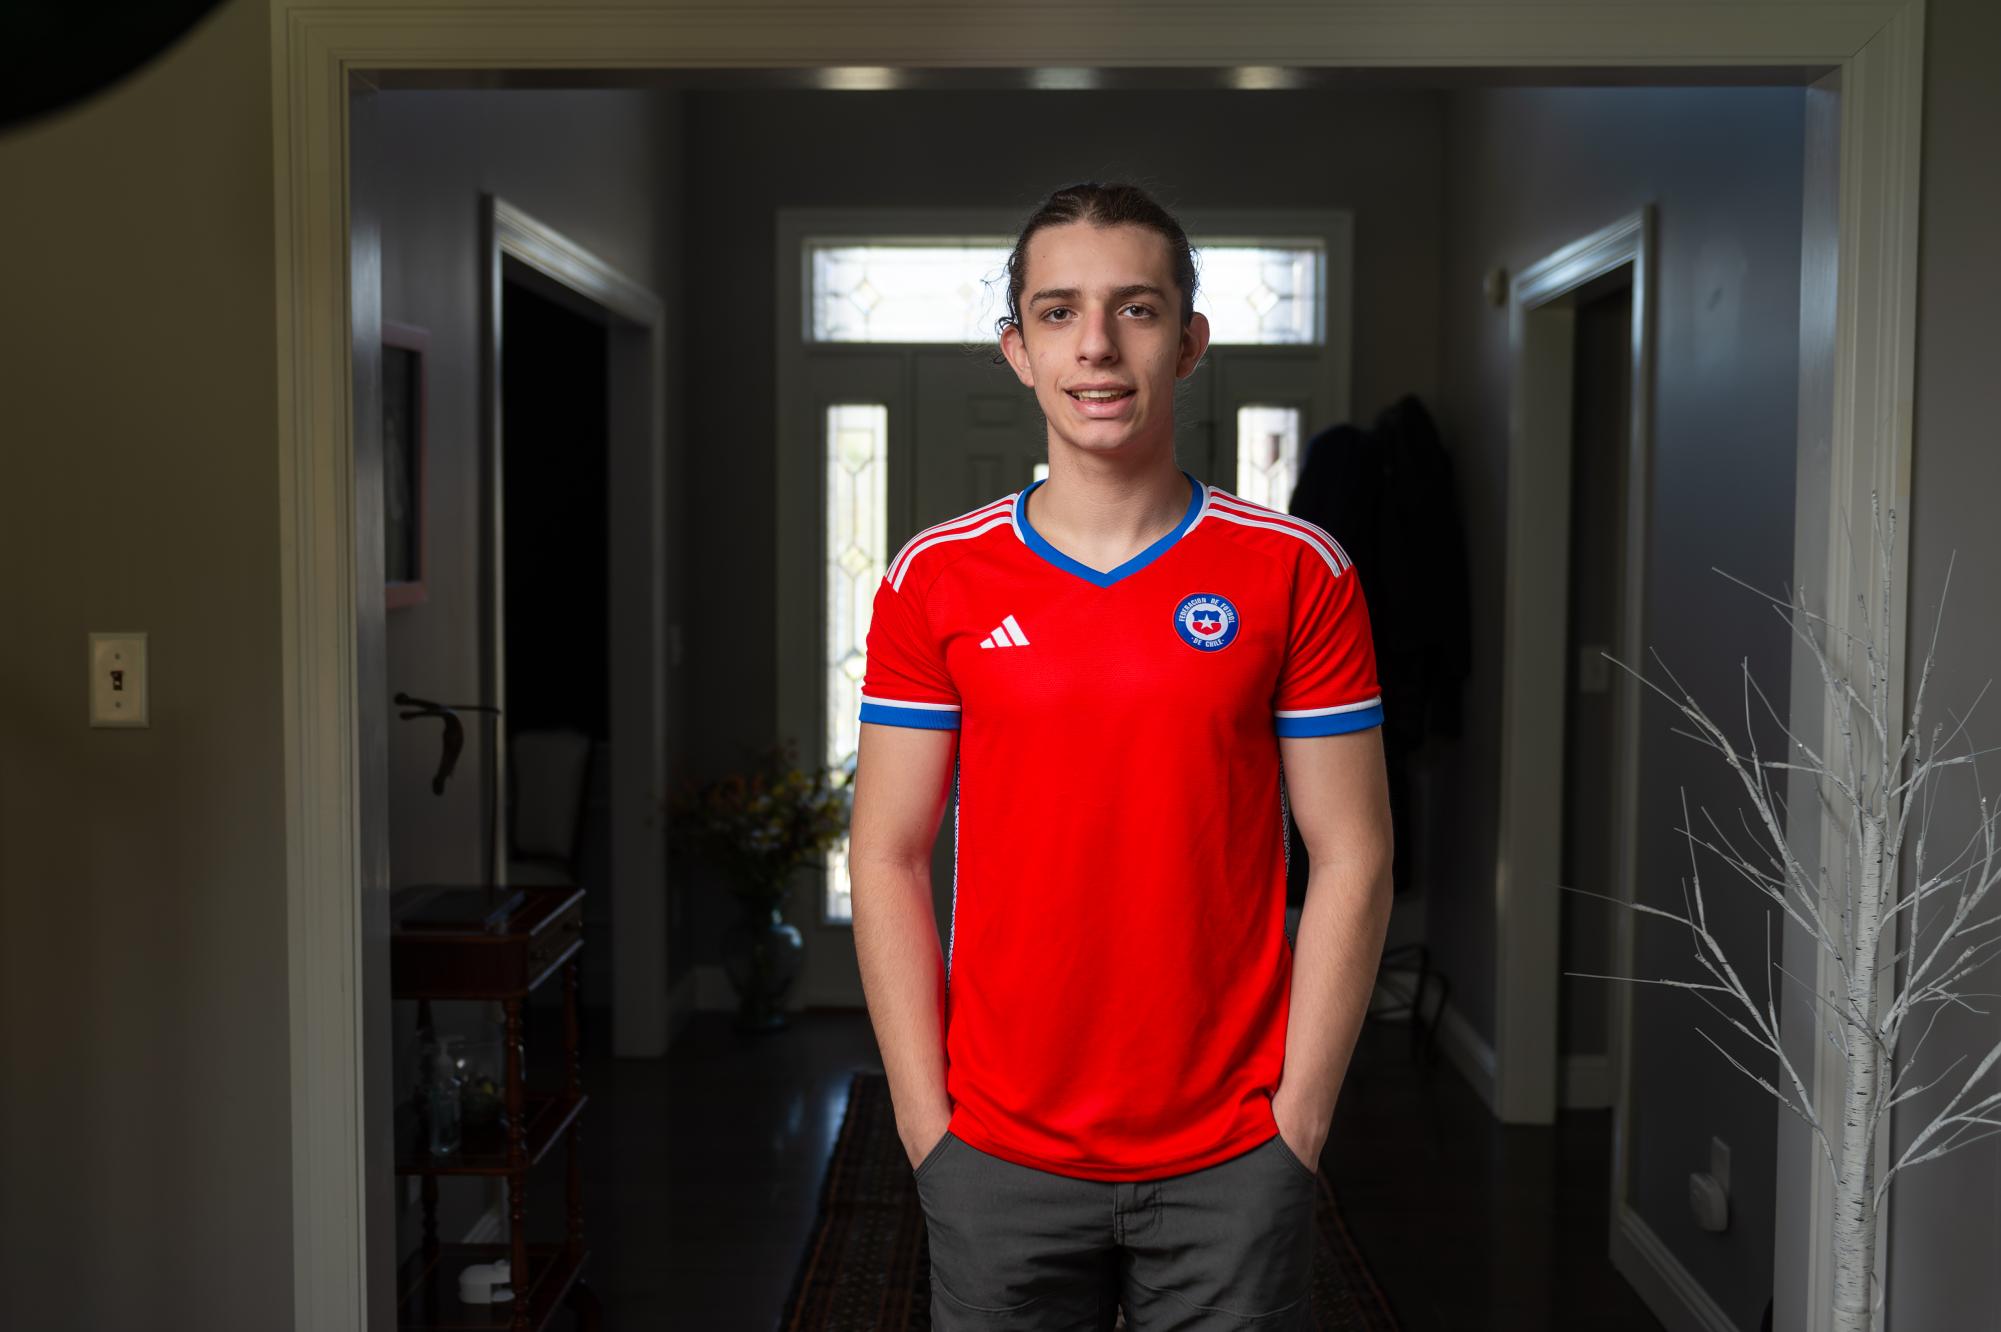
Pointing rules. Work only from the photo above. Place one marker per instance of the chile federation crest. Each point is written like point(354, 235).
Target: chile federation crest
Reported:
point(1206, 622)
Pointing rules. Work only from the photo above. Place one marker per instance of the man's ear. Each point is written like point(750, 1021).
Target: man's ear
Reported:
point(1015, 348)
point(1194, 341)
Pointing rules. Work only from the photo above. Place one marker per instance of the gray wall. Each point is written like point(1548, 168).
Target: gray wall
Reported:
point(145, 1084)
point(751, 154)
point(1527, 170)
point(601, 168)
point(1945, 1215)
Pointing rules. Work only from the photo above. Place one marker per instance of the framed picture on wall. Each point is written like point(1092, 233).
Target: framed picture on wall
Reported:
point(404, 352)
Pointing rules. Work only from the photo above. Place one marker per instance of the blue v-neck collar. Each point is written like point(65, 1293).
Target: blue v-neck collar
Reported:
point(1106, 577)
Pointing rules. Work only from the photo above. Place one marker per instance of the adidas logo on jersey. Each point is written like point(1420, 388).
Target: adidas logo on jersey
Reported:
point(1006, 634)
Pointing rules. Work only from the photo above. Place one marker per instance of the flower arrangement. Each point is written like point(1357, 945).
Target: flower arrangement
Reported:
point(764, 824)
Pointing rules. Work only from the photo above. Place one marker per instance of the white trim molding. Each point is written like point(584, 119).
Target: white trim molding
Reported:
point(1667, 1288)
point(1469, 1053)
point(1857, 385)
point(634, 320)
point(1528, 855)
point(318, 48)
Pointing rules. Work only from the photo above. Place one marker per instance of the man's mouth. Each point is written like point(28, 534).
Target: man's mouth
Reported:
point(1099, 395)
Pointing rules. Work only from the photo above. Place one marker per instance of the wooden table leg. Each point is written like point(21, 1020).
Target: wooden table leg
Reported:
point(517, 1161)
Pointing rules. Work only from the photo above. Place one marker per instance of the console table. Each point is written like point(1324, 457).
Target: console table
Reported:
point(503, 958)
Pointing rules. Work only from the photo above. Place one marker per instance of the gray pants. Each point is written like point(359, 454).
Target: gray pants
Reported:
point(1227, 1246)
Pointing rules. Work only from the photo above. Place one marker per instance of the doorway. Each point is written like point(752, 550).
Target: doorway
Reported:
point(1877, 57)
point(534, 263)
point(1601, 437)
point(554, 569)
point(1543, 477)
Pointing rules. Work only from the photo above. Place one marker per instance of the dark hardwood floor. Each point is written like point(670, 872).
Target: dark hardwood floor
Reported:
point(703, 1172)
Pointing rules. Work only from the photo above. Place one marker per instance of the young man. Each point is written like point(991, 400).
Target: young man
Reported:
point(1112, 1082)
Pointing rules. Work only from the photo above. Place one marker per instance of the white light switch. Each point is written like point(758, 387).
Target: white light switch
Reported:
point(118, 680)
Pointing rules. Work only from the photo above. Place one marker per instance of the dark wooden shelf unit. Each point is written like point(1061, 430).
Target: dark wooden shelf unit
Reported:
point(540, 937)
point(486, 1154)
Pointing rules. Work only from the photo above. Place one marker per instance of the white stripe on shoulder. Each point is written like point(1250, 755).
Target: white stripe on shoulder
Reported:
point(906, 703)
point(1328, 712)
point(911, 546)
point(1248, 514)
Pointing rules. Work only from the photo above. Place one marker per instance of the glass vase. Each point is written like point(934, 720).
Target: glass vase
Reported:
point(762, 955)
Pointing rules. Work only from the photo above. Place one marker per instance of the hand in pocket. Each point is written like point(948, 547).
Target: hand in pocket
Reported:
point(932, 1143)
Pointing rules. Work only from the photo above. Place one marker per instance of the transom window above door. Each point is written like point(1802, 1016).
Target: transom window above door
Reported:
point(1255, 293)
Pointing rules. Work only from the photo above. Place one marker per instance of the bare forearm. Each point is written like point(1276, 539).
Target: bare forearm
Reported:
point(1335, 959)
point(903, 981)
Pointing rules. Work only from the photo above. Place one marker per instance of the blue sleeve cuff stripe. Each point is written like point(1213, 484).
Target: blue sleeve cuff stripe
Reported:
point(927, 718)
point(1334, 723)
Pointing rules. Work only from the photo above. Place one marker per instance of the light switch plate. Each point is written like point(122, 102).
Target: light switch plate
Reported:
point(118, 680)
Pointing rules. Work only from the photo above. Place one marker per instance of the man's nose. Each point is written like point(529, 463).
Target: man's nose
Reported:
point(1096, 342)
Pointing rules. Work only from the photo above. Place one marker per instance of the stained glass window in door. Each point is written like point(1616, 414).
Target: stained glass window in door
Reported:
point(935, 291)
point(1267, 454)
point(1261, 295)
point(951, 291)
point(857, 451)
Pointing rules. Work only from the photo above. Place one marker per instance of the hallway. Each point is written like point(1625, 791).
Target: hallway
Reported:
point(705, 1169)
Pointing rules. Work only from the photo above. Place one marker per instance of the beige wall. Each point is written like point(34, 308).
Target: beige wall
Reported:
point(1945, 1215)
point(1526, 171)
point(145, 1113)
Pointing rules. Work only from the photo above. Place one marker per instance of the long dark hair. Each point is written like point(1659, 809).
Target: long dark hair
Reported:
point(1102, 205)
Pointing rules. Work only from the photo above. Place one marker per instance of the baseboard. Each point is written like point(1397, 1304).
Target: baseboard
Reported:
point(1587, 1082)
point(1664, 1285)
point(1470, 1054)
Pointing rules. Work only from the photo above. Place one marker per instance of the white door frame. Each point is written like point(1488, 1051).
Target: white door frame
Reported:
point(636, 596)
point(1527, 906)
point(1528, 854)
point(1863, 400)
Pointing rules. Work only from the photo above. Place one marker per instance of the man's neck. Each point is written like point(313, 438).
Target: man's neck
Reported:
point(1103, 511)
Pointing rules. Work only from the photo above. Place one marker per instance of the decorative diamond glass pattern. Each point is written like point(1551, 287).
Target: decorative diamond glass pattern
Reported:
point(884, 291)
point(857, 474)
point(1260, 295)
point(1267, 454)
point(952, 291)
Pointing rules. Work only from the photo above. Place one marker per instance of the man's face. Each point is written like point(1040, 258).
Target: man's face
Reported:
point(1101, 340)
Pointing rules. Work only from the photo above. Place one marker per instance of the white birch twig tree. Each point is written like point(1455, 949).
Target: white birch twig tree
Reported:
point(1875, 772)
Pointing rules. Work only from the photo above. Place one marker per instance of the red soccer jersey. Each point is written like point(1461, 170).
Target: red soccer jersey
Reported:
point(1117, 972)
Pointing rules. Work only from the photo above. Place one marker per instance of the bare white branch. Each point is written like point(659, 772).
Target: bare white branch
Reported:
point(1875, 776)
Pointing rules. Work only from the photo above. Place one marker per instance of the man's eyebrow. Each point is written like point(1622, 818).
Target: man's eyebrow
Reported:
point(1118, 293)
